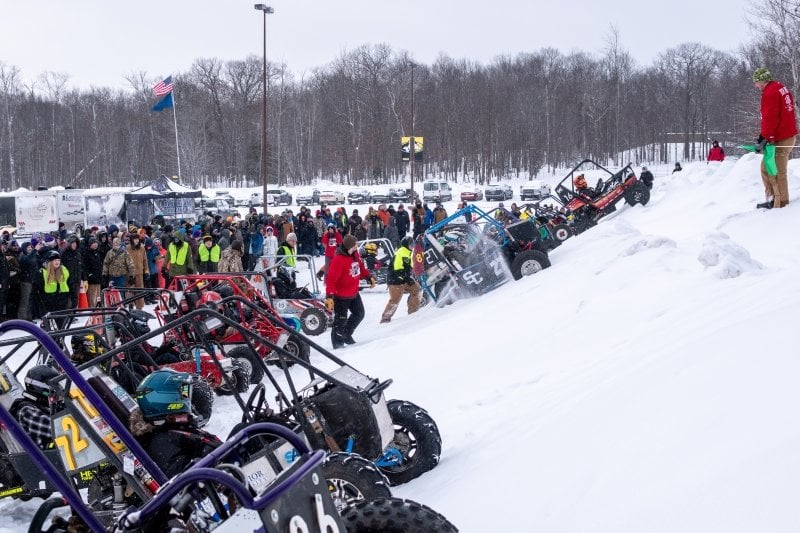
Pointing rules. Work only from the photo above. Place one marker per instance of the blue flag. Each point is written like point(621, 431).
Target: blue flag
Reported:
point(164, 103)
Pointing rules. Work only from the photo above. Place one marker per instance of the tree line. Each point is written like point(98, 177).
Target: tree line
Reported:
point(517, 115)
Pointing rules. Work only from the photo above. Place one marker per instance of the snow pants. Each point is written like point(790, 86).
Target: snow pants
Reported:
point(396, 293)
point(777, 186)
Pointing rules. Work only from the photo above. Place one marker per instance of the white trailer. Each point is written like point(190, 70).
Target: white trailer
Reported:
point(104, 206)
point(71, 209)
point(37, 212)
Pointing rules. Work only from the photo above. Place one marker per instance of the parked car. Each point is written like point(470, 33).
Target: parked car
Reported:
point(359, 196)
point(498, 191)
point(331, 197)
point(401, 195)
point(215, 206)
point(436, 191)
point(256, 200)
point(472, 194)
point(279, 197)
point(308, 198)
point(534, 190)
point(382, 197)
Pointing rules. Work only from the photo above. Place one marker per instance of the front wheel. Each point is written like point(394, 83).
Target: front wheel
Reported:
point(202, 402)
point(561, 232)
point(295, 347)
point(252, 357)
point(528, 263)
point(45, 515)
point(313, 321)
point(239, 378)
point(352, 479)
point(637, 194)
point(394, 515)
point(416, 438)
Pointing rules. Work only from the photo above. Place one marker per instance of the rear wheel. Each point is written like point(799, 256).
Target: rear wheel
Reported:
point(637, 194)
point(417, 439)
point(352, 479)
point(252, 357)
point(313, 321)
point(295, 347)
point(45, 516)
point(202, 402)
point(394, 515)
point(239, 377)
point(528, 263)
point(561, 232)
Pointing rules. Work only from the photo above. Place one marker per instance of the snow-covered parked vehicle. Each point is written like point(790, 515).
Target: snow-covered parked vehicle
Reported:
point(534, 190)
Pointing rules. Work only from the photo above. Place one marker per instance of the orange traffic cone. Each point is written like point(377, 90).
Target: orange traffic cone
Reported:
point(83, 300)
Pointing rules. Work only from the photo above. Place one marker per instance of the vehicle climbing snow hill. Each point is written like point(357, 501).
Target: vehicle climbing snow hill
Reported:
point(646, 381)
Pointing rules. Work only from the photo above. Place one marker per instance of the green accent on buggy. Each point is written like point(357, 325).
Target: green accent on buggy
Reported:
point(769, 157)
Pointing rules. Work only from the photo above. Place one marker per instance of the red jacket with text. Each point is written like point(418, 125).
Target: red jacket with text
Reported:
point(777, 112)
point(716, 154)
point(344, 273)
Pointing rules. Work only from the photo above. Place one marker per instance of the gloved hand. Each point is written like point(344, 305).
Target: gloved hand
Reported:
point(329, 304)
point(761, 142)
point(372, 282)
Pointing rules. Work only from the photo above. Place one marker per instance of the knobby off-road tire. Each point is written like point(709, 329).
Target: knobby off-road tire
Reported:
point(416, 437)
point(394, 515)
point(252, 357)
point(528, 263)
point(202, 401)
point(638, 194)
point(295, 347)
point(313, 321)
point(240, 378)
point(352, 479)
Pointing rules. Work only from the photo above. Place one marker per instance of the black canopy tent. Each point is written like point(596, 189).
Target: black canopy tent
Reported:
point(162, 198)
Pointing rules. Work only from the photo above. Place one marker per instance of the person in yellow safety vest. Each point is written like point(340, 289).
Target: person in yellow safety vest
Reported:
point(179, 257)
point(208, 255)
point(401, 282)
point(52, 285)
point(287, 249)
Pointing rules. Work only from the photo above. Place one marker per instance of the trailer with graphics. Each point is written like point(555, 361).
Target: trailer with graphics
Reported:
point(104, 206)
point(37, 212)
point(69, 203)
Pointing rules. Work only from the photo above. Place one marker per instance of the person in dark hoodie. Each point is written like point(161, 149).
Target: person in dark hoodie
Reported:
point(391, 232)
point(341, 291)
point(27, 262)
point(71, 258)
point(92, 271)
point(104, 244)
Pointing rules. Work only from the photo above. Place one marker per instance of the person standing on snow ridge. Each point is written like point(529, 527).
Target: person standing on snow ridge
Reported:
point(400, 282)
point(677, 168)
point(716, 153)
point(779, 128)
point(341, 294)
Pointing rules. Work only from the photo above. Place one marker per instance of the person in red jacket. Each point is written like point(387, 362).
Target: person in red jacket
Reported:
point(716, 153)
point(331, 240)
point(778, 127)
point(341, 291)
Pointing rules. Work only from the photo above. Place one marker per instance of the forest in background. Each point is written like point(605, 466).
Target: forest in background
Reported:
point(518, 115)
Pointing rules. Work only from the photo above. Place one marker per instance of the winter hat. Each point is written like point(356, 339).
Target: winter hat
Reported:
point(112, 228)
point(349, 241)
point(148, 242)
point(49, 240)
point(196, 234)
point(208, 238)
point(291, 237)
point(762, 74)
point(34, 242)
point(26, 246)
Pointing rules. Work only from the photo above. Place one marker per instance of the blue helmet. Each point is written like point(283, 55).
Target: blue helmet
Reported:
point(165, 394)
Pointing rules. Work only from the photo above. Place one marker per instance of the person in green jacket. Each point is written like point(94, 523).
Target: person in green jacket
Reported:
point(208, 255)
point(401, 281)
point(179, 257)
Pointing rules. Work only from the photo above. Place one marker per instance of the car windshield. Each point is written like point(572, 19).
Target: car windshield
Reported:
point(431, 186)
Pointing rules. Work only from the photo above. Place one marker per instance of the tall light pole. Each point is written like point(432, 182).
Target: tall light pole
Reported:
point(412, 144)
point(266, 10)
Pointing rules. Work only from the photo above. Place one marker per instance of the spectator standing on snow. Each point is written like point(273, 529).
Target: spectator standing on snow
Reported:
point(401, 282)
point(716, 153)
point(402, 221)
point(779, 128)
point(677, 168)
point(341, 291)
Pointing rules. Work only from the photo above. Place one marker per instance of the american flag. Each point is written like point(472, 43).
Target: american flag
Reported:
point(163, 87)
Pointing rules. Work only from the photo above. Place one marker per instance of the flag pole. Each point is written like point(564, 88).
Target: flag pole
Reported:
point(175, 122)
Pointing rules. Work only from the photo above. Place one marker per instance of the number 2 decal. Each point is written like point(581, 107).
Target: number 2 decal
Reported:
point(71, 441)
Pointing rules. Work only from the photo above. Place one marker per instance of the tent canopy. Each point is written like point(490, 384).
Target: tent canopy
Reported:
point(163, 197)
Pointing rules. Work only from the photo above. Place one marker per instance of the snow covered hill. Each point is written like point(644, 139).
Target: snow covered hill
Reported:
point(647, 381)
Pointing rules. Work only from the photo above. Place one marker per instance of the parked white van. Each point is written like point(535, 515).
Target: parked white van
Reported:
point(436, 191)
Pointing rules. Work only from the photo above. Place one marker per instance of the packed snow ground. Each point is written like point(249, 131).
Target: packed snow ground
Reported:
point(647, 381)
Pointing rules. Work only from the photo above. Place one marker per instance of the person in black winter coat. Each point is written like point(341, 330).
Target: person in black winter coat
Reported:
point(105, 243)
point(306, 236)
point(402, 221)
point(71, 258)
point(92, 270)
point(5, 279)
point(27, 262)
point(646, 177)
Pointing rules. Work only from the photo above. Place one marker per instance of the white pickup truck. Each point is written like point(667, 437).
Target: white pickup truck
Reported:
point(534, 190)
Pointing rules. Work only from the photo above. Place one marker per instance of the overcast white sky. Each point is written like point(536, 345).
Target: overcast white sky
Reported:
point(97, 42)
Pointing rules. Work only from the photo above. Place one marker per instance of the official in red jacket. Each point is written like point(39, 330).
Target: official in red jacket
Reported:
point(778, 127)
point(716, 153)
point(342, 296)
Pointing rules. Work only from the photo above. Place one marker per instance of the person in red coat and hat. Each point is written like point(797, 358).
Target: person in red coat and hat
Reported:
point(341, 291)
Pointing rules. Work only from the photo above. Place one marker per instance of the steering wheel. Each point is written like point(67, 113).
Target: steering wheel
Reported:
point(256, 403)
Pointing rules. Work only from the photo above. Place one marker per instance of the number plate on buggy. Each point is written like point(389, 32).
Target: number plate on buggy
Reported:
point(306, 506)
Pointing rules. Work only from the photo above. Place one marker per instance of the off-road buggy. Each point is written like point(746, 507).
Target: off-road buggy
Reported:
point(611, 188)
point(279, 478)
point(470, 253)
point(376, 254)
point(301, 306)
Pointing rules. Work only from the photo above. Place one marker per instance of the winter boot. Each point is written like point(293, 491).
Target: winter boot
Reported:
point(766, 205)
point(385, 320)
point(348, 339)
